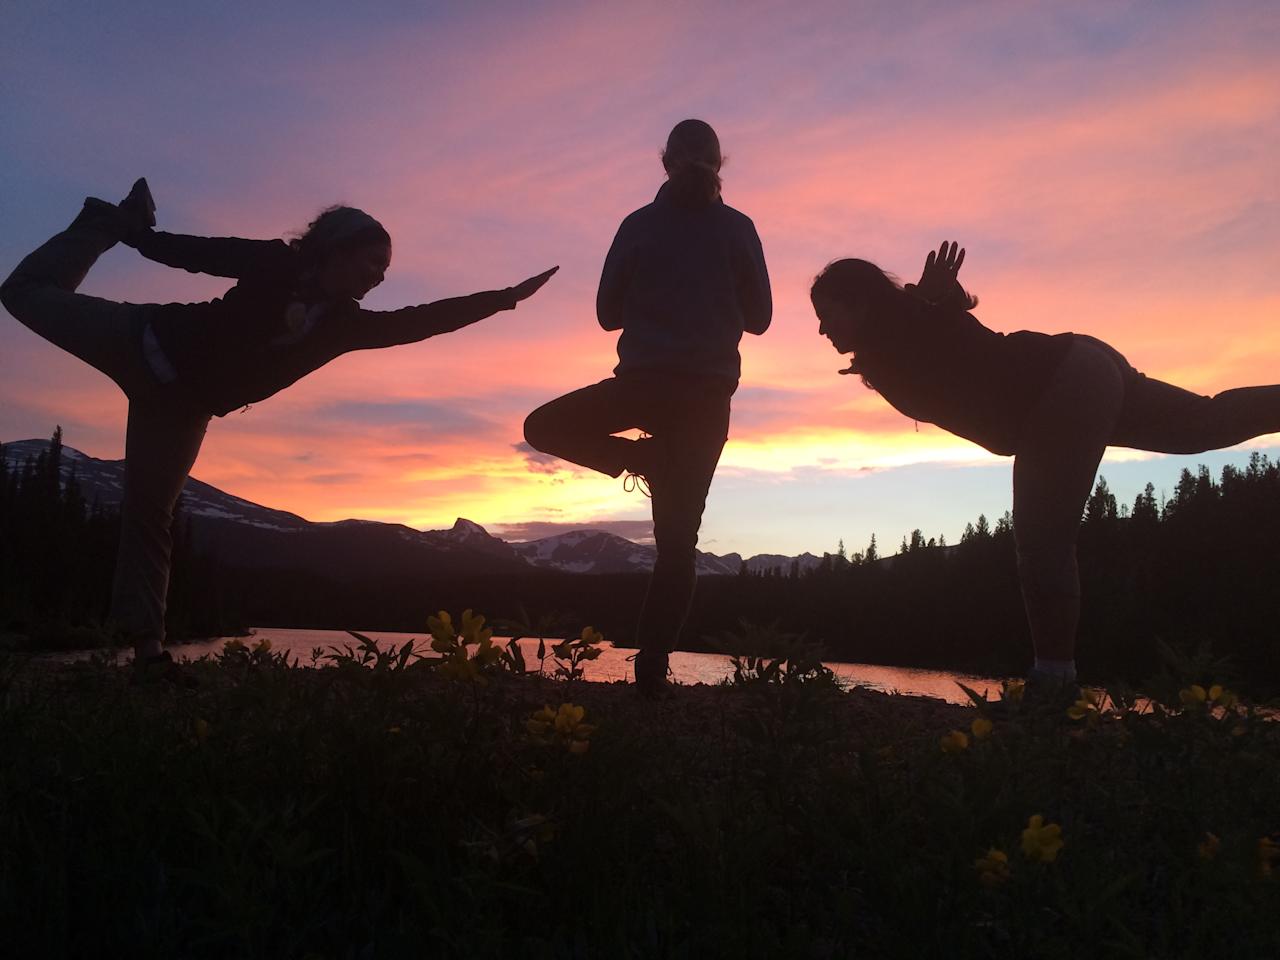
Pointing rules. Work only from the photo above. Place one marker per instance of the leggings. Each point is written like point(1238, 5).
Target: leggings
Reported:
point(1096, 399)
point(163, 435)
point(688, 419)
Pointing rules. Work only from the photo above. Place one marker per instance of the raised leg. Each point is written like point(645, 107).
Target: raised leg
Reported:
point(41, 293)
point(579, 426)
point(1160, 417)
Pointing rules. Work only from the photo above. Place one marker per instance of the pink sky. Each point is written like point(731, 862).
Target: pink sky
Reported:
point(1110, 168)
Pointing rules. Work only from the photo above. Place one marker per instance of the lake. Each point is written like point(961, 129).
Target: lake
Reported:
point(614, 665)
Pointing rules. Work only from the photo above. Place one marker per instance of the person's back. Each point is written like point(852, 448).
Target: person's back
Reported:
point(683, 281)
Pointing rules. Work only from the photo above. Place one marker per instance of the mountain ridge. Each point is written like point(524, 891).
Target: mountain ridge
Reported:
point(249, 533)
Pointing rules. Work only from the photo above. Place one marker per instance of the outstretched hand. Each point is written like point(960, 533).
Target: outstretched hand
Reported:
point(938, 280)
point(525, 290)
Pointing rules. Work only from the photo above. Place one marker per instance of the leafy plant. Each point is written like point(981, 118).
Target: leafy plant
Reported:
point(571, 654)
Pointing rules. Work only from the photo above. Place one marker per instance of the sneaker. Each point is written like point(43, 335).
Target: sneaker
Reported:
point(636, 481)
point(641, 467)
point(651, 675)
point(137, 212)
point(162, 668)
point(1046, 694)
point(126, 221)
point(1037, 695)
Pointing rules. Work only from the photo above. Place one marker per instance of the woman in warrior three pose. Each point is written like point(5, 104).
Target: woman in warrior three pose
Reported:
point(294, 307)
point(684, 278)
point(1053, 403)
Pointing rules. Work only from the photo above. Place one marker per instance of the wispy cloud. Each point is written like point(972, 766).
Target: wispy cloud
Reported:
point(1111, 172)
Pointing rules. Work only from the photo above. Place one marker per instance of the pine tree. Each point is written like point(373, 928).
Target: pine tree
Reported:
point(1145, 510)
point(1100, 508)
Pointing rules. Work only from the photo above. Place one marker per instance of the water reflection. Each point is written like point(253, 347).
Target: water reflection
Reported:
point(613, 663)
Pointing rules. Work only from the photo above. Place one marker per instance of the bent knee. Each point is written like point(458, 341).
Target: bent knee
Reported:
point(13, 293)
point(539, 430)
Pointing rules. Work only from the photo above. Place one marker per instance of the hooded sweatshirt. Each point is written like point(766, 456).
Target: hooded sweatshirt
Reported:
point(940, 365)
point(682, 284)
point(271, 329)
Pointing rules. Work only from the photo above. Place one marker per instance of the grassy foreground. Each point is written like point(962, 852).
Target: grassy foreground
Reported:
point(392, 806)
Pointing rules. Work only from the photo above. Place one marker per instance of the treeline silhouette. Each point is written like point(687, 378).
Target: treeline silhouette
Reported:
point(1198, 567)
point(57, 560)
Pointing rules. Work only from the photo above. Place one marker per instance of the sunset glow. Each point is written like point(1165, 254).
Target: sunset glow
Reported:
point(1110, 168)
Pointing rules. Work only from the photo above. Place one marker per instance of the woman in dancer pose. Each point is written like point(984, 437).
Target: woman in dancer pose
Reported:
point(684, 278)
point(1053, 403)
point(294, 307)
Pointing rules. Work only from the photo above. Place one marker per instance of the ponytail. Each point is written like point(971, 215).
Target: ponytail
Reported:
point(692, 160)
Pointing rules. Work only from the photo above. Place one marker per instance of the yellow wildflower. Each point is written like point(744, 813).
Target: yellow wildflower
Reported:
point(234, 645)
point(263, 646)
point(1013, 690)
point(1041, 841)
point(1208, 848)
point(473, 628)
point(564, 723)
point(1084, 708)
point(1222, 696)
point(993, 869)
point(591, 635)
point(541, 721)
point(393, 730)
point(1193, 696)
point(954, 742)
point(981, 728)
point(441, 627)
point(567, 717)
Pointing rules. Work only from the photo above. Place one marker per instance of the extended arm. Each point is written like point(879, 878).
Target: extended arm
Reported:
point(216, 256)
point(754, 293)
point(411, 324)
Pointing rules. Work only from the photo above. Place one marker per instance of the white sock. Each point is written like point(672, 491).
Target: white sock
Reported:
point(1064, 670)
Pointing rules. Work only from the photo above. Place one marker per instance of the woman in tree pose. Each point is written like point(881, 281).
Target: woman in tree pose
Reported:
point(684, 278)
point(1053, 403)
point(294, 307)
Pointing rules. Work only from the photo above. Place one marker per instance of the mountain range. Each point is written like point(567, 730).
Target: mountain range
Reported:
point(249, 534)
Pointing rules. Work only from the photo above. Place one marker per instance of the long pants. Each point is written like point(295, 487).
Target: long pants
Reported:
point(688, 420)
point(163, 435)
point(1094, 400)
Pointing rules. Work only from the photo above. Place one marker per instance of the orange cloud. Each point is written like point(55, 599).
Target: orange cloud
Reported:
point(1109, 174)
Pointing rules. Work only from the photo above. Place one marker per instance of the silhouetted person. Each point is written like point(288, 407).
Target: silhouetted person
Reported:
point(684, 278)
point(1054, 403)
point(294, 308)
